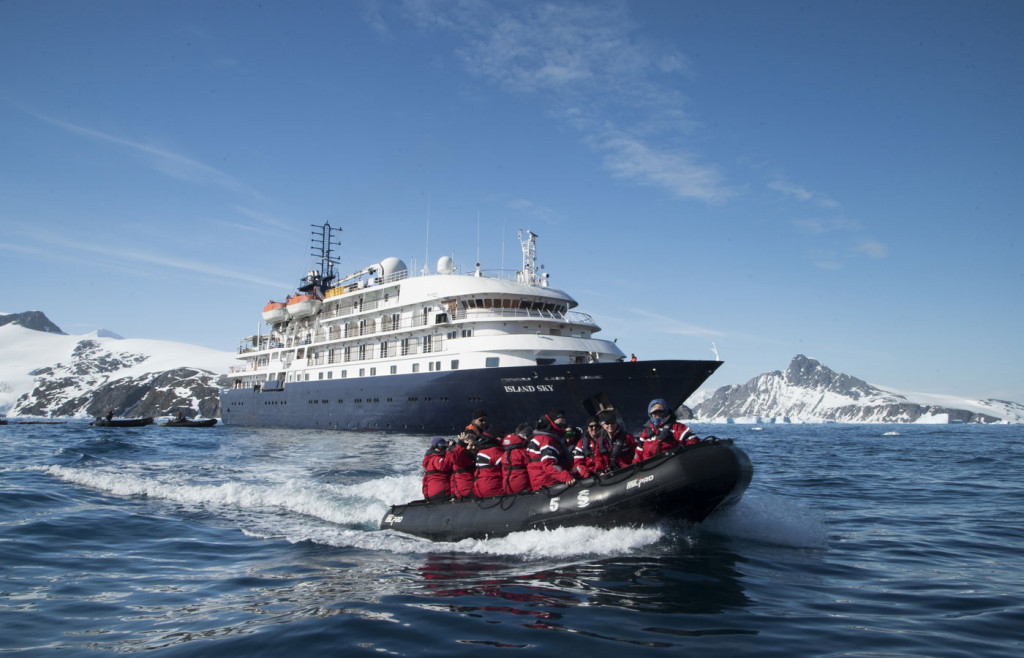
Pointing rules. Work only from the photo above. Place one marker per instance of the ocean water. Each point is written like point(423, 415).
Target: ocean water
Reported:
point(851, 540)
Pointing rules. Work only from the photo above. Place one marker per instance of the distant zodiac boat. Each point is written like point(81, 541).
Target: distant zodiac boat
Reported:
point(122, 422)
point(686, 484)
point(185, 422)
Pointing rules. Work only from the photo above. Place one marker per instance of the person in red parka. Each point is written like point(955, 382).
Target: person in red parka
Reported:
point(437, 471)
point(461, 456)
point(515, 461)
point(549, 461)
point(615, 448)
point(663, 432)
point(487, 479)
point(479, 424)
point(583, 452)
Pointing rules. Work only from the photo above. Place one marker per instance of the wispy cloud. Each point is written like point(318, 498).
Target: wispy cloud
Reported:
point(533, 209)
point(819, 226)
point(261, 222)
point(830, 259)
point(793, 191)
point(588, 64)
point(123, 257)
point(825, 259)
point(672, 325)
point(678, 173)
point(872, 249)
point(163, 261)
point(163, 160)
point(836, 231)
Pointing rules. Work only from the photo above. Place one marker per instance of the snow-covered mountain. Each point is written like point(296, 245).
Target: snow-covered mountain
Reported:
point(45, 372)
point(810, 392)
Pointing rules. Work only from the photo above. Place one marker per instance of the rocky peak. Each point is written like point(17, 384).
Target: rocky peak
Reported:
point(35, 320)
point(805, 372)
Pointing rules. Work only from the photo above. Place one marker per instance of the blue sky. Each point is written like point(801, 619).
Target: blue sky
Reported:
point(838, 179)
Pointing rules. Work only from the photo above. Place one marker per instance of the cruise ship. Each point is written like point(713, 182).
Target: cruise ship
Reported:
point(390, 350)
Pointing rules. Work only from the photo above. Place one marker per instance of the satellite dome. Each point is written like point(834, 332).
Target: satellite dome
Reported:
point(392, 265)
point(445, 265)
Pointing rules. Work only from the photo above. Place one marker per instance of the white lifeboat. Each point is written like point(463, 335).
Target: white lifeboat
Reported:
point(301, 306)
point(275, 312)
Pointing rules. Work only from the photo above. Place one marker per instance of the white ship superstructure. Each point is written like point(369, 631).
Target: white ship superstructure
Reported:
point(384, 320)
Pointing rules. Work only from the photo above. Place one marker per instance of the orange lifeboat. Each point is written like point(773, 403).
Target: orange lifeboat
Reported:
point(275, 312)
point(301, 306)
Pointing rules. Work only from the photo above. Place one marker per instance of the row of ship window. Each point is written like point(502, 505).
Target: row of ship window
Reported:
point(384, 349)
point(432, 366)
point(473, 399)
point(411, 398)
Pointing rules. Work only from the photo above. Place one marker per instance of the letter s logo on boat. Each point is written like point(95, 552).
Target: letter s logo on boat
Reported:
point(639, 481)
point(583, 498)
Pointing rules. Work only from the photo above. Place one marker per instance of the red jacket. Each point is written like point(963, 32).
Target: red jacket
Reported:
point(583, 457)
point(614, 451)
point(514, 464)
point(662, 438)
point(488, 479)
point(462, 471)
point(437, 472)
point(548, 462)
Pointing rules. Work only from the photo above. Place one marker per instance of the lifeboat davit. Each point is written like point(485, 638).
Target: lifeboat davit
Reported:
point(301, 306)
point(275, 312)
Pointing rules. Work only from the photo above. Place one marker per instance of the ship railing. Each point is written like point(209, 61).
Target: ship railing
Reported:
point(572, 317)
point(352, 309)
point(370, 353)
point(263, 345)
point(363, 284)
point(504, 275)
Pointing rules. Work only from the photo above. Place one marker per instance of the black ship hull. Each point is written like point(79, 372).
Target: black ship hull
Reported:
point(443, 402)
point(207, 422)
point(687, 484)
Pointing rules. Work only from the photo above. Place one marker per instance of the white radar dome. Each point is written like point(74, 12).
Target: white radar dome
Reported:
point(445, 265)
point(392, 265)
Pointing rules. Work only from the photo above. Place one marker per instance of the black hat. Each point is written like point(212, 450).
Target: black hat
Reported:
point(555, 413)
point(479, 413)
point(606, 416)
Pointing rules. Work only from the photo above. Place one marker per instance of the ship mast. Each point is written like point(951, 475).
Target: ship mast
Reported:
point(529, 246)
point(323, 243)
